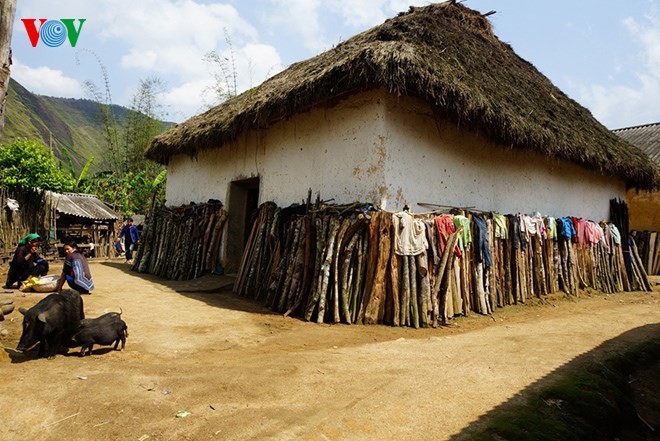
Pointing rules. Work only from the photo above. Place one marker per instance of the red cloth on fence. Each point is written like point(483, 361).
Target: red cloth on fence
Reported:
point(444, 225)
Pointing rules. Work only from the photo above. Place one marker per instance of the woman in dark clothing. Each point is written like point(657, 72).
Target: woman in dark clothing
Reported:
point(26, 261)
point(76, 271)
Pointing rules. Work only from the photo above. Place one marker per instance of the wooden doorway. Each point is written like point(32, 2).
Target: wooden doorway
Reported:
point(242, 207)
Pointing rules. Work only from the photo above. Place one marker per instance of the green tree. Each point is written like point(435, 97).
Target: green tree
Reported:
point(129, 182)
point(29, 163)
point(142, 124)
point(106, 112)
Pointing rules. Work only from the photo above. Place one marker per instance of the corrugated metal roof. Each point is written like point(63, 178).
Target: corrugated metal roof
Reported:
point(646, 137)
point(82, 205)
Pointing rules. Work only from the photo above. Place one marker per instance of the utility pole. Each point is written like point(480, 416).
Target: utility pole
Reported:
point(7, 13)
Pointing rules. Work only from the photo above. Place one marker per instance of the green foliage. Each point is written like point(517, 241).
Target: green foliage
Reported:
point(83, 173)
point(131, 192)
point(29, 164)
point(112, 137)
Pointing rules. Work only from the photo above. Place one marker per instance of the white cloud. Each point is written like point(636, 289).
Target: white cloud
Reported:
point(174, 36)
point(253, 63)
point(359, 14)
point(299, 17)
point(140, 59)
point(315, 22)
point(46, 81)
point(185, 100)
point(626, 105)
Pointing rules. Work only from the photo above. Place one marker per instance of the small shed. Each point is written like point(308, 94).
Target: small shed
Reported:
point(87, 220)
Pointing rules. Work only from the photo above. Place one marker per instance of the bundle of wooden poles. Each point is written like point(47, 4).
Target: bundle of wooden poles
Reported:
point(182, 243)
point(648, 244)
point(339, 263)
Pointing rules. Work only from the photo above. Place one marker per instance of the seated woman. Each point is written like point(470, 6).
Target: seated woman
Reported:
point(26, 262)
point(76, 270)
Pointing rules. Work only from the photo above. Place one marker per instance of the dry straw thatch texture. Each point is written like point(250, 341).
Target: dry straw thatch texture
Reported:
point(447, 55)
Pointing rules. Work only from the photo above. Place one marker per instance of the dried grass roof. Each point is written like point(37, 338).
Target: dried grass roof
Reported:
point(447, 55)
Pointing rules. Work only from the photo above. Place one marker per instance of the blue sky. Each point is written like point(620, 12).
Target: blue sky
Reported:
point(604, 54)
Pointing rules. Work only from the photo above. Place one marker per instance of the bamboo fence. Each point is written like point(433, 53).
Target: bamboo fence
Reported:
point(337, 263)
point(182, 243)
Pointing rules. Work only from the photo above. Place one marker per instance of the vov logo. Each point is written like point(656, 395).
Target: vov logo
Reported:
point(53, 32)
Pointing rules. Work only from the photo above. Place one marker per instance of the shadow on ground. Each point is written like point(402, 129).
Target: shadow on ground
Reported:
point(600, 394)
point(215, 290)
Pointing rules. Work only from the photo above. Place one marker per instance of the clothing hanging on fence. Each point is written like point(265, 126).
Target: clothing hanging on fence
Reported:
point(592, 233)
point(500, 226)
point(426, 286)
point(539, 223)
point(481, 244)
point(409, 234)
point(567, 228)
point(552, 228)
point(515, 232)
point(616, 234)
point(465, 238)
point(444, 225)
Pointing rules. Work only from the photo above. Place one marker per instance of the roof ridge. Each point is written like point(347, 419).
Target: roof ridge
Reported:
point(637, 127)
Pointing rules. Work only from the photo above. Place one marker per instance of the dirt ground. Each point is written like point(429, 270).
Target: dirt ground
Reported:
point(242, 372)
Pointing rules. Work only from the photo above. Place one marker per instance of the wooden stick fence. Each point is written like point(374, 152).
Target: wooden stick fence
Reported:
point(648, 243)
point(338, 264)
point(33, 216)
point(182, 243)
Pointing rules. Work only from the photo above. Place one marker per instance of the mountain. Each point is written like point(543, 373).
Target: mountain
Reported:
point(72, 127)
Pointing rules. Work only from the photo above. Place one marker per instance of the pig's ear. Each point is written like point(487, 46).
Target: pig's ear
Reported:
point(42, 317)
point(22, 310)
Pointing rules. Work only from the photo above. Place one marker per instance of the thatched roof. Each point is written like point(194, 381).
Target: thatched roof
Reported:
point(646, 137)
point(447, 55)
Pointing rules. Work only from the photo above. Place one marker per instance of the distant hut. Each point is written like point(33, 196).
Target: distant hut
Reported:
point(87, 220)
point(644, 205)
point(429, 106)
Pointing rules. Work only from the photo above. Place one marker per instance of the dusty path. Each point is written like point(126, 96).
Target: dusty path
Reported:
point(244, 373)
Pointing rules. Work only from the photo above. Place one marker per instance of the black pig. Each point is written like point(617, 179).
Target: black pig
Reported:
point(104, 330)
point(51, 322)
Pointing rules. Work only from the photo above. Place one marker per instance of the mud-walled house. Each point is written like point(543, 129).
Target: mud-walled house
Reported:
point(644, 205)
point(429, 106)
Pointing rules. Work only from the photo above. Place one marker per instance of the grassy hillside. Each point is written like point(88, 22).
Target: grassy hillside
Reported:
point(71, 124)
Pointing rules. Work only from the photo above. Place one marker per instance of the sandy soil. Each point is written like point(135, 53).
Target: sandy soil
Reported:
point(245, 373)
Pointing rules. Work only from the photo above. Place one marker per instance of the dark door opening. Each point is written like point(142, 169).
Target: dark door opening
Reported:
point(242, 207)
